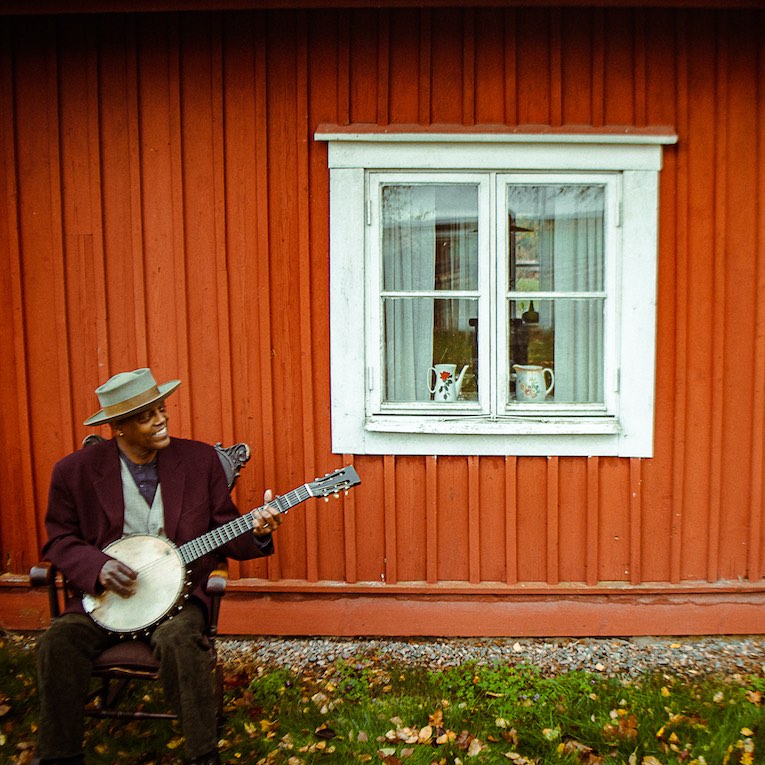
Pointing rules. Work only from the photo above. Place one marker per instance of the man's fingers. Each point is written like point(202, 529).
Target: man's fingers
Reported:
point(118, 577)
point(266, 520)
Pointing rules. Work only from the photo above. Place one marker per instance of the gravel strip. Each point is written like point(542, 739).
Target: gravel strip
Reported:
point(612, 657)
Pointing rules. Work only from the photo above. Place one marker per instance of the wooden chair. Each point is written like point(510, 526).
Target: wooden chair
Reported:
point(131, 660)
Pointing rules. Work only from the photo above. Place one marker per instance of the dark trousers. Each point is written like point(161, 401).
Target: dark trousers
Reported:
point(65, 655)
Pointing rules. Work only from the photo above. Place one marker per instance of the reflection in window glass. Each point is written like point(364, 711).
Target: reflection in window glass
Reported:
point(415, 342)
point(556, 248)
point(430, 237)
point(556, 238)
point(565, 336)
point(429, 247)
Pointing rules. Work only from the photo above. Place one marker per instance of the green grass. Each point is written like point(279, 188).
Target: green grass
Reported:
point(368, 711)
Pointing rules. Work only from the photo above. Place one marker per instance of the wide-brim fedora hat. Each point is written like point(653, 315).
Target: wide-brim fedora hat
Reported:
point(129, 393)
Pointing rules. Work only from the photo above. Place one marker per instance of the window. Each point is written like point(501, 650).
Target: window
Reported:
point(493, 294)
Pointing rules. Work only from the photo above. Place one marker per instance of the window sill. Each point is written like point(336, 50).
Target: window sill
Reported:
point(486, 426)
point(460, 436)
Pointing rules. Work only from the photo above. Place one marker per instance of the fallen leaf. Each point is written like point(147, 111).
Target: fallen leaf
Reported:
point(475, 748)
point(324, 732)
point(425, 735)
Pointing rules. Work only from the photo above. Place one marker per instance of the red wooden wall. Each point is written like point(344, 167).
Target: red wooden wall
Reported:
point(164, 203)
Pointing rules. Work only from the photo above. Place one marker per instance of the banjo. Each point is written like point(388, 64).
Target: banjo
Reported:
point(163, 568)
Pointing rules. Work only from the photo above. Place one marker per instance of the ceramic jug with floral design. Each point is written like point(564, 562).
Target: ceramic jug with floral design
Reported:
point(530, 382)
point(442, 382)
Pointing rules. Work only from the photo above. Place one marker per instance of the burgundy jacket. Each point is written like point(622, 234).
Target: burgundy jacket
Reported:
point(86, 511)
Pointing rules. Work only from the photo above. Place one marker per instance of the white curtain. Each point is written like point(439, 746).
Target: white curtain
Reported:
point(577, 265)
point(568, 239)
point(409, 239)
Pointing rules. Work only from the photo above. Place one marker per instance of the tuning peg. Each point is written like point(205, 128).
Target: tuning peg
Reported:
point(326, 499)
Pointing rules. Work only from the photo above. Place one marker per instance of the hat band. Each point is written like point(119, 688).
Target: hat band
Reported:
point(129, 405)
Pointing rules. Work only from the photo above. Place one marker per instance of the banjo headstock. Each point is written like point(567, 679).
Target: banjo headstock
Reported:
point(334, 483)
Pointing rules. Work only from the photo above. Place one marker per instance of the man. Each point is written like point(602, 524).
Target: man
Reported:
point(140, 481)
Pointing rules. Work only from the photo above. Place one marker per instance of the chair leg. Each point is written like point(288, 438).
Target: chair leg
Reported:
point(108, 694)
point(218, 685)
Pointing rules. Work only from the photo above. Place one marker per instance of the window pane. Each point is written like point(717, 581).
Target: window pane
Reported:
point(420, 333)
point(430, 237)
point(564, 336)
point(556, 237)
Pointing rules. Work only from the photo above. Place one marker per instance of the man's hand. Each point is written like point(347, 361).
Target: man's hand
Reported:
point(118, 577)
point(264, 519)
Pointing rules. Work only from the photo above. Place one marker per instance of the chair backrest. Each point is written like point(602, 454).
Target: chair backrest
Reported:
point(232, 458)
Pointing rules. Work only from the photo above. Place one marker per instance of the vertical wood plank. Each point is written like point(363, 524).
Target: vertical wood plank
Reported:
point(263, 372)
point(681, 313)
point(636, 512)
point(598, 66)
point(640, 68)
point(350, 529)
point(556, 68)
point(59, 318)
point(219, 221)
point(383, 66)
point(510, 61)
point(718, 225)
point(424, 74)
point(468, 66)
point(511, 522)
point(136, 219)
point(94, 245)
point(431, 515)
point(177, 241)
point(592, 557)
point(553, 535)
point(474, 520)
point(343, 70)
point(308, 392)
point(391, 551)
point(755, 555)
point(21, 530)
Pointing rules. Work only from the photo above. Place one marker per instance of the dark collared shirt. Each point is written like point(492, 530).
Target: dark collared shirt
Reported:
point(146, 477)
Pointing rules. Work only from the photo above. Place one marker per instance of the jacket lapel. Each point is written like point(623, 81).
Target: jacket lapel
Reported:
point(107, 484)
point(171, 480)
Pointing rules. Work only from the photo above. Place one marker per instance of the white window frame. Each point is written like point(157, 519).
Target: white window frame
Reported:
point(626, 428)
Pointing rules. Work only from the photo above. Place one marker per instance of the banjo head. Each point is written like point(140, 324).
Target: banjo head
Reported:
point(160, 585)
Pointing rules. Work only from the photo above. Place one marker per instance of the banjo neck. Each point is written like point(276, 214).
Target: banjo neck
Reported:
point(218, 537)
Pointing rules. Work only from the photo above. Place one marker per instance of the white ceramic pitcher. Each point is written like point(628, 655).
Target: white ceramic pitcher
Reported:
point(442, 382)
point(530, 382)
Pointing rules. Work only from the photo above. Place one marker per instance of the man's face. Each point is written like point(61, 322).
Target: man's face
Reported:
point(145, 433)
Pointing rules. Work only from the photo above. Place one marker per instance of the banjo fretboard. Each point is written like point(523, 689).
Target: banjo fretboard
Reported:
point(224, 534)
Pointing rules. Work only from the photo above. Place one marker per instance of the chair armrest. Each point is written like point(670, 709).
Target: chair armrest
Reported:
point(216, 589)
point(44, 574)
point(217, 581)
